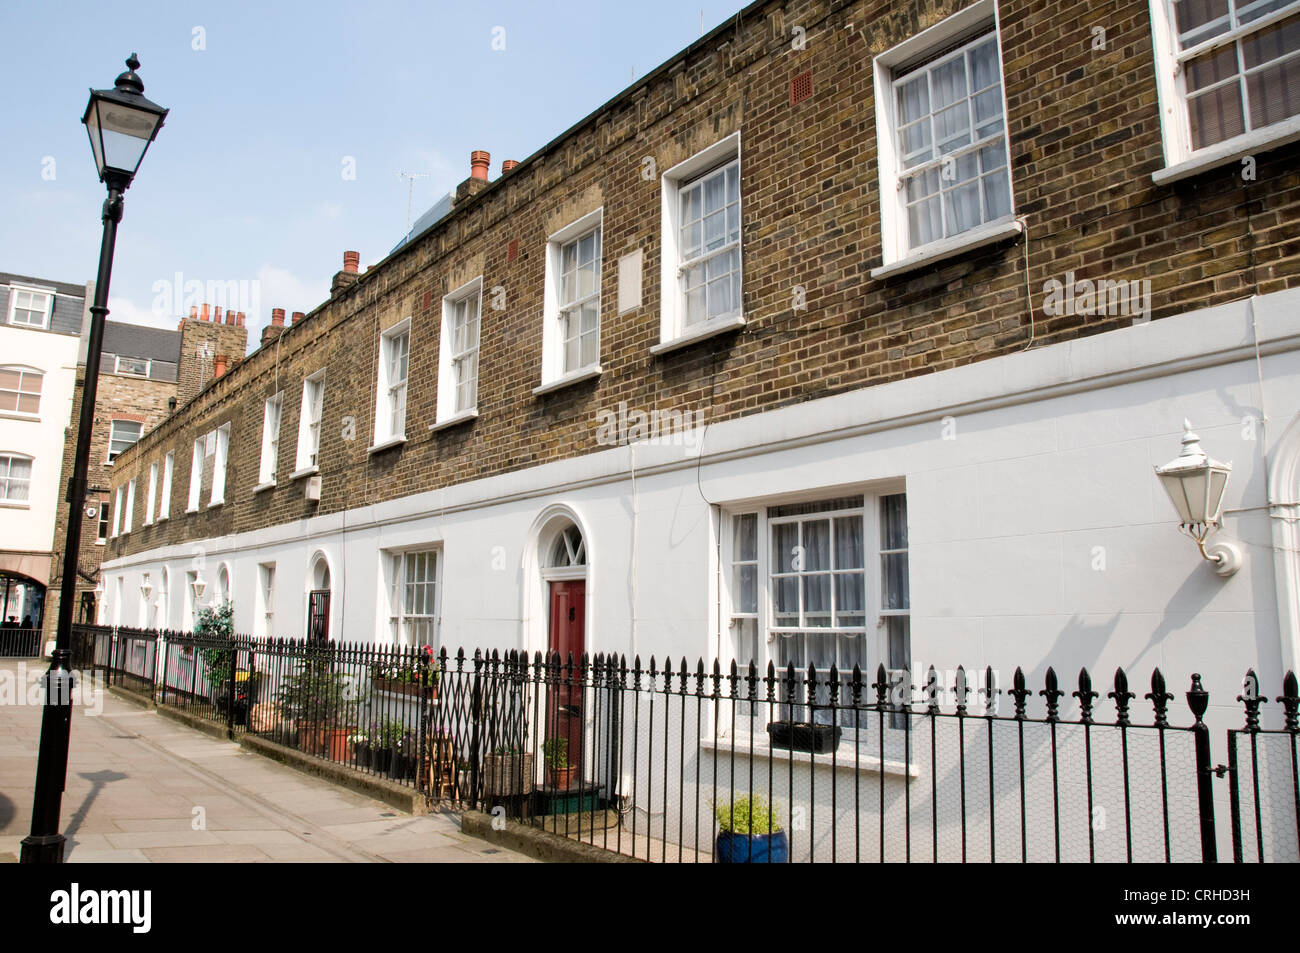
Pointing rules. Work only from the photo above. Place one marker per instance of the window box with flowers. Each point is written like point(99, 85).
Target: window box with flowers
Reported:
point(400, 678)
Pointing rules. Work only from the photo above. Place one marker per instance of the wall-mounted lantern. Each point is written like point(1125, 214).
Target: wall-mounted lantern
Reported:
point(1195, 484)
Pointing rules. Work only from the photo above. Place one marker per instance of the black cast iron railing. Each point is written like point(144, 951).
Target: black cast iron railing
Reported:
point(16, 642)
point(648, 759)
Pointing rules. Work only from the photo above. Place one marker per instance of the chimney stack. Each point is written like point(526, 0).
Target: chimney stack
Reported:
point(344, 279)
point(478, 176)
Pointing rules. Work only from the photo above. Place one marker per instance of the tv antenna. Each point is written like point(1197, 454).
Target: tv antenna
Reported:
point(410, 192)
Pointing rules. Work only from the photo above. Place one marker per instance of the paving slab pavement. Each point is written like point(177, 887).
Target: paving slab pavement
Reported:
point(145, 789)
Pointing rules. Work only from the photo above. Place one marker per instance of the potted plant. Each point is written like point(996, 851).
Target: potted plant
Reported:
point(322, 704)
point(555, 755)
point(406, 755)
point(749, 832)
point(383, 739)
point(361, 750)
point(507, 771)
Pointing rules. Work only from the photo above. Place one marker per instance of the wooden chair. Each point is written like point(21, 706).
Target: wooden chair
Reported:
point(441, 751)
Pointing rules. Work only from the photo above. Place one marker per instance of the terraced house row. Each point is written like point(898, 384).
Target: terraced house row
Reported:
point(852, 334)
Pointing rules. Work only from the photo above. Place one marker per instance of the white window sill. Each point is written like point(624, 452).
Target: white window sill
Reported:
point(101, 542)
point(162, 519)
point(699, 332)
point(14, 415)
point(386, 444)
point(263, 487)
point(15, 506)
point(304, 472)
point(455, 419)
point(1233, 150)
point(565, 380)
point(843, 759)
point(215, 504)
point(951, 247)
point(191, 510)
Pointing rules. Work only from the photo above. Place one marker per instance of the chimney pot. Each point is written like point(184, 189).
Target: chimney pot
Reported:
point(216, 313)
point(508, 165)
point(204, 316)
point(194, 311)
point(277, 317)
point(478, 164)
point(298, 316)
point(219, 365)
point(351, 261)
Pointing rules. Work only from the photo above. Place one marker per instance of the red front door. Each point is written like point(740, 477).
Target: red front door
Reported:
point(564, 697)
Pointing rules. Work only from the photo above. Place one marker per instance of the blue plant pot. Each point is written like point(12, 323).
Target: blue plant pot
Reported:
point(752, 849)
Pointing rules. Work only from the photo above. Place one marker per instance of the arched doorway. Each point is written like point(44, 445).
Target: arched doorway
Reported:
point(318, 600)
point(22, 601)
point(563, 558)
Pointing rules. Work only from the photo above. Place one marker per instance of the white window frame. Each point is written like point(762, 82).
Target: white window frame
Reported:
point(118, 500)
point(310, 421)
point(11, 455)
point(554, 374)
point(23, 371)
point(896, 256)
point(264, 621)
point(128, 515)
point(391, 394)
point(1181, 160)
point(272, 416)
point(673, 332)
point(165, 497)
point(117, 366)
point(112, 426)
point(47, 293)
point(103, 527)
point(396, 591)
point(196, 477)
point(219, 462)
point(874, 628)
point(153, 491)
point(448, 412)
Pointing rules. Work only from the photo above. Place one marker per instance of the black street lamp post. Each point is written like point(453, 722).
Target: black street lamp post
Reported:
point(121, 124)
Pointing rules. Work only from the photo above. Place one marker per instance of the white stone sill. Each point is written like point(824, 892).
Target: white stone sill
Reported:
point(386, 444)
point(263, 487)
point(573, 377)
point(455, 420)
point(699, 333)
point(1235, 149)
point(841, 760)
point(950, 248)
point(305, 472)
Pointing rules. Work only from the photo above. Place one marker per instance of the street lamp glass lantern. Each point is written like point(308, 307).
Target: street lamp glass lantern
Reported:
point(121, 123)
point(1195, 482)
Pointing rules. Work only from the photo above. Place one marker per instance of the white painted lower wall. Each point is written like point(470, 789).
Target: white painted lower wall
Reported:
point(1038, 533)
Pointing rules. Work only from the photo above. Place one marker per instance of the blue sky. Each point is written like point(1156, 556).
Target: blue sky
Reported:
point(246, 180)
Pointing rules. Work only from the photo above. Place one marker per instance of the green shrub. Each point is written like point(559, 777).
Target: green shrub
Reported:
point(747, 815)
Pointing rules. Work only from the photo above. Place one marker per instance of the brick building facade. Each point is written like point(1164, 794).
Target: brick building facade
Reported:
point(934, 371)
